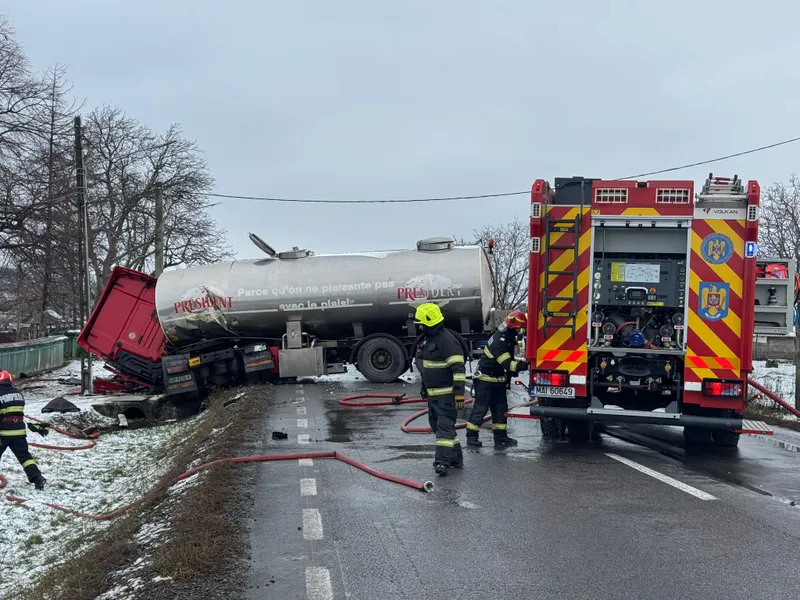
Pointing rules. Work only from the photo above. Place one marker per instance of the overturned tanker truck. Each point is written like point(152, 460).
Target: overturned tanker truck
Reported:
point(290, 314)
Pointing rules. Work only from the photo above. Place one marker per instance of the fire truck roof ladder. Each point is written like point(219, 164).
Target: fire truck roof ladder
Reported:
point(722, 188)
point(565, 227)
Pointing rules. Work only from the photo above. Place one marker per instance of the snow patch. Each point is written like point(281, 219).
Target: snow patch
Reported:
point(779, 380)
point(119, 470)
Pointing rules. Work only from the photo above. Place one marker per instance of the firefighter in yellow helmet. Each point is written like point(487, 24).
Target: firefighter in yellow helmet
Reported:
point(439, 358)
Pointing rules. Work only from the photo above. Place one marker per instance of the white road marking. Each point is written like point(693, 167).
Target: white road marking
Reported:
point(663, 478)
point(318, 584)
point(312, 524)
point(308, 486)
point(301, 410)
point(303, 438)
point(302, 423)
point(306, 462)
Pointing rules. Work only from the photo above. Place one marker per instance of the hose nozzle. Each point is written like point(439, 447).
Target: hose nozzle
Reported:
point(428, 486)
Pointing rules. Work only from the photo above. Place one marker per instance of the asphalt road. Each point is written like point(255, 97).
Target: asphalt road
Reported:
point(609, 520)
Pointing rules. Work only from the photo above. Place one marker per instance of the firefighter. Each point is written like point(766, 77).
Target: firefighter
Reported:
point(12, 429)
point(439, 358)
point(493, 377)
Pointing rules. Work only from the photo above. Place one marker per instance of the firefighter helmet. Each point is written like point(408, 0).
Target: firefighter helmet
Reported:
point(5, 377)
point(428, 314)
point(517, 320)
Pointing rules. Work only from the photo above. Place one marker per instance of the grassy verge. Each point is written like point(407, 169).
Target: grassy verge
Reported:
point(88, 574)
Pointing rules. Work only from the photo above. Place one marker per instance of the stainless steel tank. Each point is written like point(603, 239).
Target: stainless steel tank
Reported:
point(328, 293)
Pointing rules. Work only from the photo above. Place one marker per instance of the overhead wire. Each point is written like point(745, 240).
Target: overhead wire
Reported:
point(493, 195)
point(71, 193)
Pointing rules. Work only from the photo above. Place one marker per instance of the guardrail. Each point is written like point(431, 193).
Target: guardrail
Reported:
point(33, 356)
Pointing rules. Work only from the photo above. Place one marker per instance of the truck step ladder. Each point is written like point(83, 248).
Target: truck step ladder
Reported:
point(567, 228)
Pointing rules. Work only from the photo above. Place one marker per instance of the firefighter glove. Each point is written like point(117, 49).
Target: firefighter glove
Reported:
point(459, 402)
point(40, 429)
point(423, 393)
point(523, 365)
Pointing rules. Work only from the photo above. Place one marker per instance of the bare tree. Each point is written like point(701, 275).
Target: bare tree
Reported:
point(21, 95)
point(508, 260)
point(124, 161)
point(779, 235)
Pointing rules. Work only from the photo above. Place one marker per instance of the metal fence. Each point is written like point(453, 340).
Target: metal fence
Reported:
point(33, 356)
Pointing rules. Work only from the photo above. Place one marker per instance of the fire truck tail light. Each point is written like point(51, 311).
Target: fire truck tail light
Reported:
point(721, 387)
point(550, 378)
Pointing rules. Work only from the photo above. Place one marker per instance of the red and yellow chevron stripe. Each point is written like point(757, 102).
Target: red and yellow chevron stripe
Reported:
point(557, 348)
point(714, 327)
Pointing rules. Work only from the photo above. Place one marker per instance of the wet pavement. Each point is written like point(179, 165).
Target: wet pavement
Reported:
point(608, 520)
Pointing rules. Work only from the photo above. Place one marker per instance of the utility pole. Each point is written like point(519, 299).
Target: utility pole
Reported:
point(83, 221)
point(159, 237)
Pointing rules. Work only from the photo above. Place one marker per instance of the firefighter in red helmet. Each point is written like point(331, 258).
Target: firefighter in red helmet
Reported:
point(493, 377)
point(12, 429)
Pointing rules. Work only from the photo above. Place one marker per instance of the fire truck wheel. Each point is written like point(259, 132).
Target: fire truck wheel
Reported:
point(696, 436)
point(578, 431)
point(726, 439)
point(381, 360)
point(551, 428)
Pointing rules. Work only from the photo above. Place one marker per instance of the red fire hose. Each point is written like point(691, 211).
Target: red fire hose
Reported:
point(773, 396)
point(396, 399)
point(424, 487)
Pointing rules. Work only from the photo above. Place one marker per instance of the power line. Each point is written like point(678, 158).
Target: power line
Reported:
point(498, 195)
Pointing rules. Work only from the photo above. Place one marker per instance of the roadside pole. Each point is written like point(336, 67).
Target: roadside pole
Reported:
point(83, 236)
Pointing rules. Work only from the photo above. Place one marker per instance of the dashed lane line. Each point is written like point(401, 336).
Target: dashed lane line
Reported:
point(693, 491)
point(302, 423)
point(303, 438)
point(312, 524)
point(306, 462)
point(301, 410)
point(318, 584)
point(308, 486)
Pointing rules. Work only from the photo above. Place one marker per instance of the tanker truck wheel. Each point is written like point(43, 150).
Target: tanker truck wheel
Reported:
point(381, 360)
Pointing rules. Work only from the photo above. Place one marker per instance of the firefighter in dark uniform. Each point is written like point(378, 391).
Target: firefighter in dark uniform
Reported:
point(439, 358)
point(12, 429)
point(493, 377)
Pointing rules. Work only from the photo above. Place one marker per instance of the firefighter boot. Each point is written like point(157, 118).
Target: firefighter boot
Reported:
point(458, 456)
point(501, 439)
point(39, 482)
point(440, 469)
point(472, 435)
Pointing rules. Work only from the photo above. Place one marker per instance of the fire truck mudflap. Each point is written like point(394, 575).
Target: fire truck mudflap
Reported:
point(644, 308)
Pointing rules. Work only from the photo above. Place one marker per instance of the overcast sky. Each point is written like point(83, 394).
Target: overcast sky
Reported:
point(375, 99)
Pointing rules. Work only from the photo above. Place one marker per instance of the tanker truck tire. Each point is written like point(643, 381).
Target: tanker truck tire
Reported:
point(381, 360)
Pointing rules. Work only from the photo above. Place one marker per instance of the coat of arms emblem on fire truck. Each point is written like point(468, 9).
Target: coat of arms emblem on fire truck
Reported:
point(713, 299)
point(717, 248)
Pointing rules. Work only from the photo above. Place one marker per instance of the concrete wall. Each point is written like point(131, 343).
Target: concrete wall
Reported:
point(773, 347)
point(33, 356)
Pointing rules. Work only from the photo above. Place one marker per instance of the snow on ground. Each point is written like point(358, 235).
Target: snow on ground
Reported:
point(779, 380)
point(117, 471)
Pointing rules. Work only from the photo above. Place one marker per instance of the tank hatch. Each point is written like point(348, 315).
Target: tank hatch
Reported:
point(262, 245)
point(436, 244)
point(295, 253)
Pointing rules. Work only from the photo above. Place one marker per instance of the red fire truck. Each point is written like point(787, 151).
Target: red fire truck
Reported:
point(641, 305)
